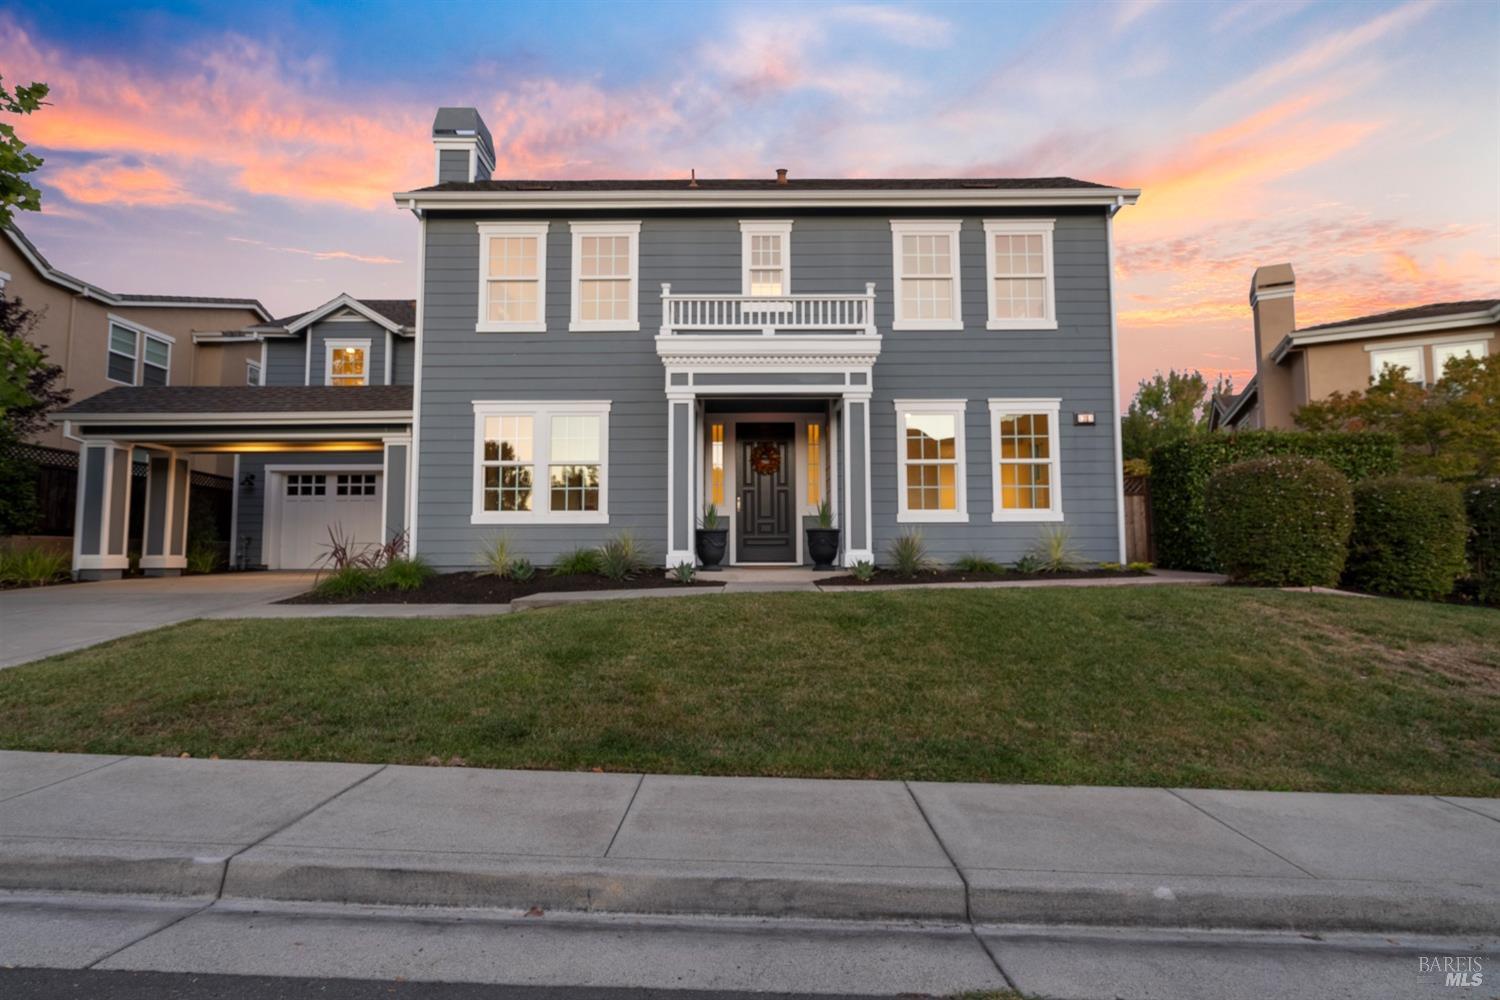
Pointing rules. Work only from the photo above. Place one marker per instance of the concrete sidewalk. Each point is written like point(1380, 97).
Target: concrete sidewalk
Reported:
point(838, 850)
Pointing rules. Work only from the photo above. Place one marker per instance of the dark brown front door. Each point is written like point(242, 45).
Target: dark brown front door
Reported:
point(767, 494)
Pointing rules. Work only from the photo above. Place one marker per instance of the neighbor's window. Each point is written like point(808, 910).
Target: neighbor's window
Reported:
point(814, 464)
point(518, 444)
point(765, 249)
point(512, 277)
point(605, 265)
point(716, 464)
point(122, 348)
point(348, 362)
point(926, 272)
point(252, 373)
point(1023, 439)
point(1443, 353)
point(1409, 358)
point(156, 365)
point(931, 460)
point(1018, 259)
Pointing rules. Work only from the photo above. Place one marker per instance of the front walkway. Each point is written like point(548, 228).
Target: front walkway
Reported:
point(43, 621)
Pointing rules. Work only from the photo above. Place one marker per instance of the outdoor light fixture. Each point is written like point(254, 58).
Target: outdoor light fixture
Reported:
point(1083, 419)
point(247, 482)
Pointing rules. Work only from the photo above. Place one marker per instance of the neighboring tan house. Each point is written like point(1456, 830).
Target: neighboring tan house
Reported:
point(1297, 366)
point(103, 339)
point(589, 357)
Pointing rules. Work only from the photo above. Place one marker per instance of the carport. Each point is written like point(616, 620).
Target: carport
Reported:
point(170, 423)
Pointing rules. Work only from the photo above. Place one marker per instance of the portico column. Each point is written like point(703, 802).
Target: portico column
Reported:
point(397, 477)
point(681, 503)
point(859, 542)
point(102, 521)
point(164, 530)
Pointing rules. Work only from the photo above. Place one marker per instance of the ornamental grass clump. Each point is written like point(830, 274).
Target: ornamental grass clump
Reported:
point(1280, 521)
point(577, 563)
point(498, 557)
point(908, 554)
point(1054, 550)
point(622, 557)
point(33, 566)
point(403, 573)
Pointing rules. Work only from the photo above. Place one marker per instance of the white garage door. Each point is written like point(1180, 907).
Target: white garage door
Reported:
point(313, 502)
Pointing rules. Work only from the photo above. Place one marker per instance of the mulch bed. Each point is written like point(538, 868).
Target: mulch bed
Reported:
point(483, 588)
point(959, 576)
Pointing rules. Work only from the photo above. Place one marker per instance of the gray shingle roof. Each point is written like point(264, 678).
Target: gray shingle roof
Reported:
point(1415, 312)
point(770, 184)
point(244, 399)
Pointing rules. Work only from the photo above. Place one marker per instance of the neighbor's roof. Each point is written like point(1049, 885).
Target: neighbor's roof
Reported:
point(399, 312)
point(130, 400)
point(1429, 311)
point(63, 279)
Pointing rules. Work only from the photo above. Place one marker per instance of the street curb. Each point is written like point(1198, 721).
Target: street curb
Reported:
point(113, 866)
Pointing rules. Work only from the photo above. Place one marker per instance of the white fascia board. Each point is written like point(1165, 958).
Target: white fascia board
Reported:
point(892, 198)
point(1427, 324)
point(235, 418)
point(342, 302)
point(853, 348)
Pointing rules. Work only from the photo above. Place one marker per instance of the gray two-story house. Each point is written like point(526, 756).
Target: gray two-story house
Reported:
point(588, 357)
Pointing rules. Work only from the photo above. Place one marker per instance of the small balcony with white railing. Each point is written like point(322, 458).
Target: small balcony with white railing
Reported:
point(792, 316)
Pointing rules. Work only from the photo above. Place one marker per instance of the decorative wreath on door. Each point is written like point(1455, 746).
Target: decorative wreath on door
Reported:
point(765, 459)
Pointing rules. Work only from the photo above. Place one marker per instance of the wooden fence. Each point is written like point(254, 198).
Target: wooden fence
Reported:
point(1140, 546)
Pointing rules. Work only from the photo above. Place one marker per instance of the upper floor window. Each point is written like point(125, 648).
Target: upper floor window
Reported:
point(137, 355)
point(122, 354)
point(512, 277)
point(926, 276)
point(1018, 266)
point(252, 373)
point(156, 364)
point(930, 460)
point(765, 258)
point(541, 462)
point(347, 362)
point(1409, 358)
point(606, 264)
point(1443, 353)
point(1025, 465)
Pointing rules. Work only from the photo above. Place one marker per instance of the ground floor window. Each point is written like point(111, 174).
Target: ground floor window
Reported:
point(1023, 441)
point(930, 460)
point(519, 446)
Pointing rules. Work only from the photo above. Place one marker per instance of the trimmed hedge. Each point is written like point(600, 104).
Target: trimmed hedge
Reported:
point(1282, 521)
point(1483, 503)
point(1408, 538)
point(1180, 474)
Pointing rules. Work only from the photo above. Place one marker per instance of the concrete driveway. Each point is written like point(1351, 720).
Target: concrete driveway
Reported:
point(45, 620)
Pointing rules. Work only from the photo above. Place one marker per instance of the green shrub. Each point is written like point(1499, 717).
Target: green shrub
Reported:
point(522, 570)
point(908, 554)
point(622, 557)
point(1280, 522)
point(1180, 474)
point(1109, 567)
point(1138, 567)
point(977, 564)
point(203, 558)
point(1483, 503)
point(577, 562)
point(1054, 550)
point(863, 571)
point(351, 581)
point(496, 556)
point(404, 574)
point(33, 566)
point(1408, 538)
point(1029, 564)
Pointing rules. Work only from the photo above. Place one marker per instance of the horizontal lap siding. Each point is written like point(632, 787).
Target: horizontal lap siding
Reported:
point(830, 253)
point(286, 361)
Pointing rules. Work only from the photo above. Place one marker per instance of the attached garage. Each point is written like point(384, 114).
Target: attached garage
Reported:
point(308, 507)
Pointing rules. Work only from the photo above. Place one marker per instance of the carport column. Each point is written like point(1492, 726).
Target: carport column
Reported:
point(396, 480)
point(681, 506)
point(102, 521)
point(859, 542)
point(164, 545)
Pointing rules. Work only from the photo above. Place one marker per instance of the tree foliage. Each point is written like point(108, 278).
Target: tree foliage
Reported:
point(1166, 409)
point(1449, 430)
point(29, 390)
point(15, 162)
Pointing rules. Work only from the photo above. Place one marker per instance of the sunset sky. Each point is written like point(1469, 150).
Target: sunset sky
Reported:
point(252, 149)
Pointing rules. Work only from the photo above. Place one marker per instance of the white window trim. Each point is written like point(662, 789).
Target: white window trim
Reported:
point(332, 344)
point(109, 349)
point(533, 229)
point(1015, 407)
point(768, 227)
point(541, 414)
point(1416, 374)
point(165, 342)
point(959, 409)
point(1020, 227)
point(632, 230)
point(140, 331)
point(926, 227)
point(254, 373)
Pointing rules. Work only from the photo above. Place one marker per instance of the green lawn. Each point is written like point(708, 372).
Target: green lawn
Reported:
point(1123, 686)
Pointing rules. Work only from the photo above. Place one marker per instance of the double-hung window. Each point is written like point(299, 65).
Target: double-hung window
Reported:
point(765, 258)
point(543, 462)
point(122, 354)
point(1018, 266)
point(930, 460)
point(1026, 478)
point(156, 361)
point(347, 362)
point(1443, 353)
point(512, 277)
point(925, 261)
point(1409, 358)
point(606, 265)
point(252, 373)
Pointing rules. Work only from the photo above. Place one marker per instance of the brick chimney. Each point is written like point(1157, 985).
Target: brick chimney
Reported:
point(1271, 302)
point(465, 151)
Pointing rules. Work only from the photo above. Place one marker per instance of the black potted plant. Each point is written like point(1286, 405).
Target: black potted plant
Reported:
point(823, 541)
point(713, 538)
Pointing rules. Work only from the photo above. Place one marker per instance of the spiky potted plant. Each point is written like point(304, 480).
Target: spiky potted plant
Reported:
point(823, 541)
point(713, 538)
